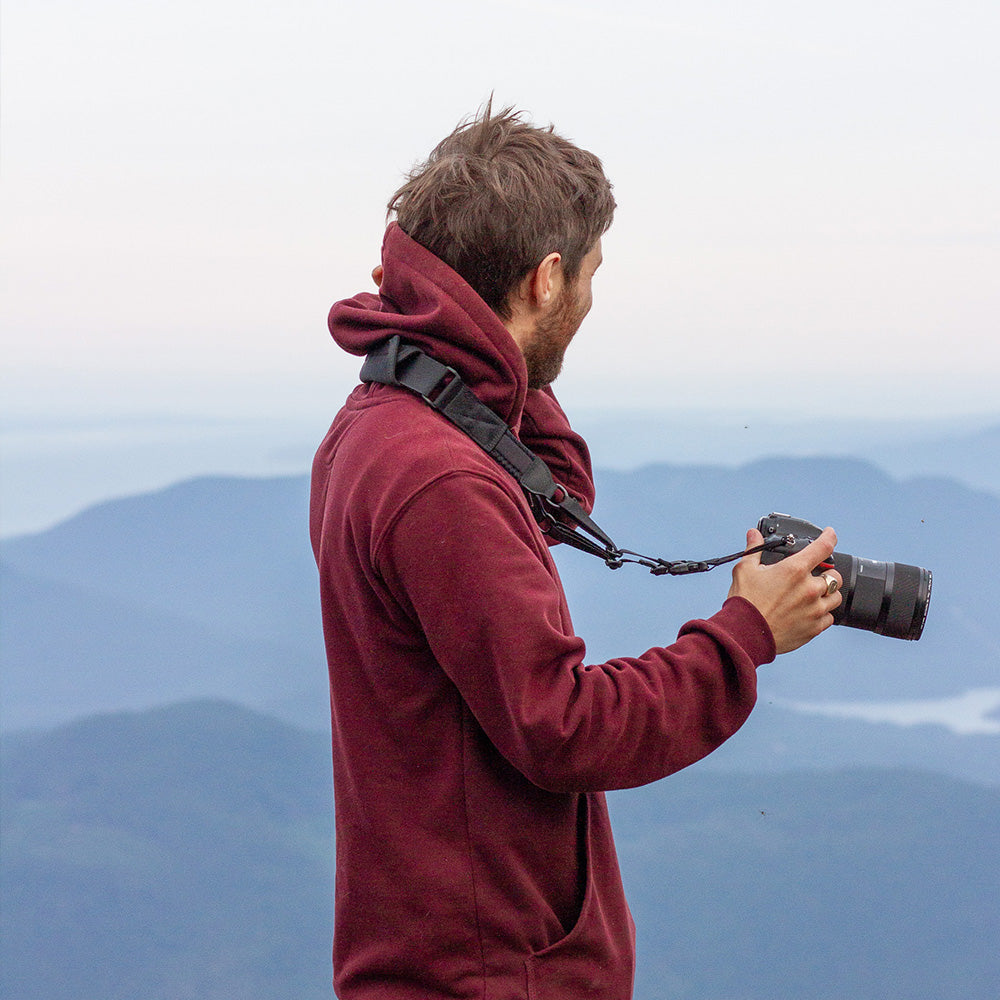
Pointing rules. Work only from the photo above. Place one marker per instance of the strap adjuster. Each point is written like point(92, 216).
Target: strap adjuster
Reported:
point(444, 389)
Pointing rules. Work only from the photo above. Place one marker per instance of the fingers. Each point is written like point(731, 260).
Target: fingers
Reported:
point(830, 597)
point(817, 551)
point(829, 581)
point(816, 556)
point(754, 537)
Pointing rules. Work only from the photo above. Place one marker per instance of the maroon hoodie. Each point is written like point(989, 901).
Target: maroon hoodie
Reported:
point(472, 742)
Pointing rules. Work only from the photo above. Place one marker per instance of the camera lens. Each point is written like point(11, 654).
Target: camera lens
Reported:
point(887, 598)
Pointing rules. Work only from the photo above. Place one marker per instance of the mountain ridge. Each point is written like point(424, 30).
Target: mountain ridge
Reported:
point(188, 850)
point(209, 588)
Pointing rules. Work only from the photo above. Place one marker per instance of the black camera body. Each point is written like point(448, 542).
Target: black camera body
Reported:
point(886, 598)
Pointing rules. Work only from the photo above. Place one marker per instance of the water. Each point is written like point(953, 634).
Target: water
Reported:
point(975, 712)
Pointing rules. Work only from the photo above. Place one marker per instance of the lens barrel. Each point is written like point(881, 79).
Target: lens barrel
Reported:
point(886, 598)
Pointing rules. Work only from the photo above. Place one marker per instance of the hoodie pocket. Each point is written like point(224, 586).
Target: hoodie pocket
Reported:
point(596, 959)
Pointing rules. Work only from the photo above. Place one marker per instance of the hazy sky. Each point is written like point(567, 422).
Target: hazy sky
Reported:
point(808, 213)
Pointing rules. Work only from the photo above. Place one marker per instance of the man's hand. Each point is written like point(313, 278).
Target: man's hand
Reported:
point(794, 603)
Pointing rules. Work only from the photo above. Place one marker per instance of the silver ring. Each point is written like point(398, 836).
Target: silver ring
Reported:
point(831, 584)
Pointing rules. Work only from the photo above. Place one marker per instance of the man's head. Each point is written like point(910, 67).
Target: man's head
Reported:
point(498, 196)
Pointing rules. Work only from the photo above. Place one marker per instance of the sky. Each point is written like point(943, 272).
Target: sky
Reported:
point(809, 217)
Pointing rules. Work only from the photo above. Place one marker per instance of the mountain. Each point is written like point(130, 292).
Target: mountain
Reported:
point(68, 652)
point(848, 884)
point(776, 740)
point(966, 450)
point(101, 457)
point(208, 589)
point(205, 589)
point(699, 512)
point(972, 457)
point(183, 852)
point(229, 553)
point(187, 852)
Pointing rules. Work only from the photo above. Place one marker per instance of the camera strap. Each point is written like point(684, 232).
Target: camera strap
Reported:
point(559, 514)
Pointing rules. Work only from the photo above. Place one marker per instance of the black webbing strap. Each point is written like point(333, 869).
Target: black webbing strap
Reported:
point(396, 363)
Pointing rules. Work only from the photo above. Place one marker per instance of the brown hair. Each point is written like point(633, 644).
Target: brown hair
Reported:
point(499, 194)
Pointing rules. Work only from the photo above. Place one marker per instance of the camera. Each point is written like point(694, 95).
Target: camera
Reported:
point(882, 597)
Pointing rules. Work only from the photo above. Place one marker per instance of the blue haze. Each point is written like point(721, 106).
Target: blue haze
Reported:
point(51, 470)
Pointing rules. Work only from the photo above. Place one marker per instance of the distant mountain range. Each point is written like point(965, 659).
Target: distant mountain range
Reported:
point(184, 852)
point(181, 845)
point(187, 852)
point(100, 458)
point(696, 512)
point(208, 589)
point(812, 886)
point(967, 451)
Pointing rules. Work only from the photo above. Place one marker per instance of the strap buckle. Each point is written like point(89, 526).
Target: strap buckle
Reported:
point(444, 390)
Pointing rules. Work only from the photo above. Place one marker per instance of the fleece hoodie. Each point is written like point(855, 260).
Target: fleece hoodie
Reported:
point(472, 740)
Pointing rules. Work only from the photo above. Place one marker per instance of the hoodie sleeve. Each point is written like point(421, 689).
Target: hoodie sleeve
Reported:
point(546, 431)
point(471, 569)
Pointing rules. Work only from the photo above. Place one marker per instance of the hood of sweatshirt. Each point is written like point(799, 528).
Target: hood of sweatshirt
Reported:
point(429, 305)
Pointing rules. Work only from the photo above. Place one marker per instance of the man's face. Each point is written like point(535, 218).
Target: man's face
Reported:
point(553, 332)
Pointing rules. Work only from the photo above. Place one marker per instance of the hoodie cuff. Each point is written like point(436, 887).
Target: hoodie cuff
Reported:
point(747, 625)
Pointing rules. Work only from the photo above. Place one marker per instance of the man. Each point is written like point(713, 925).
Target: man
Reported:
point(472, 742)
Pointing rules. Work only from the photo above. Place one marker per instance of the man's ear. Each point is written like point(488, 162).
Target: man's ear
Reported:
point(536, 291)
point(546, 280)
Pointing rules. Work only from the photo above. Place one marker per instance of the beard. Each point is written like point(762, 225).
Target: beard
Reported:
point(544, 352)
